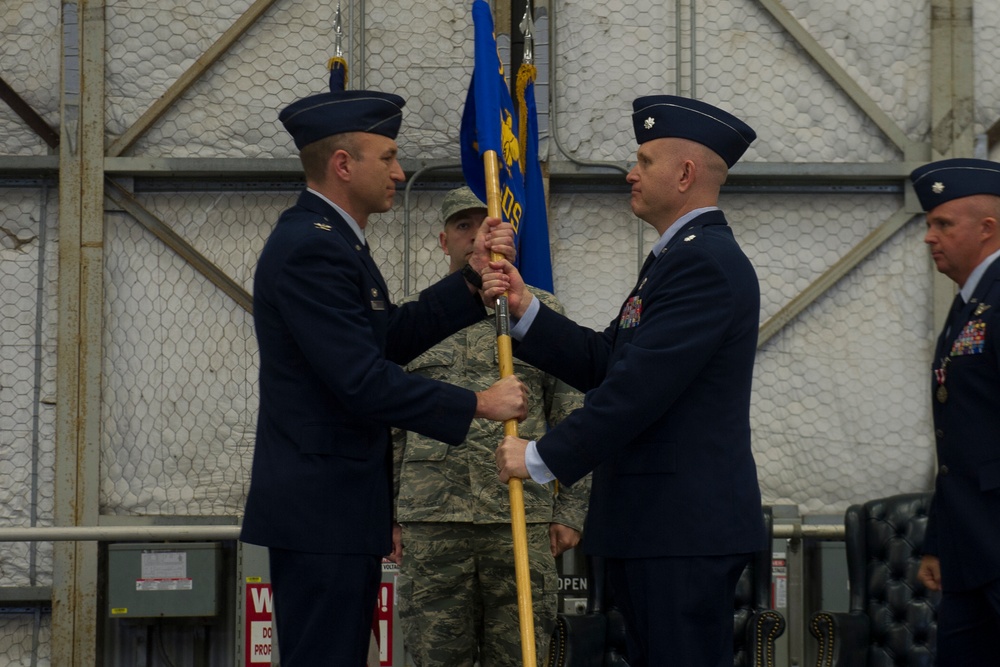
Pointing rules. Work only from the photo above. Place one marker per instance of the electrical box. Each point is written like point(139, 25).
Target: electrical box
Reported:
point(163, 580)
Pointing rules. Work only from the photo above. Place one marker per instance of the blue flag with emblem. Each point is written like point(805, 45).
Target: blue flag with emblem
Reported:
point(488, 124)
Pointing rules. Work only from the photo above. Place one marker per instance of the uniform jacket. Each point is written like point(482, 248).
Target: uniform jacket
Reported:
point(331, 344)
point(963, 529)
point(665, 424)
point(437, 482)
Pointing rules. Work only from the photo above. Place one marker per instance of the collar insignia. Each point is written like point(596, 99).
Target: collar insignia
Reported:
point(689, 238)
point(322, 225)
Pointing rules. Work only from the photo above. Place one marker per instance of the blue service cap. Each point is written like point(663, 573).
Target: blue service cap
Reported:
point(944, 180)
point(657, 116)
point(317, 116)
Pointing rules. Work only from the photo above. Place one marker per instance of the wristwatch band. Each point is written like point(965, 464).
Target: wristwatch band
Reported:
point(472, 276)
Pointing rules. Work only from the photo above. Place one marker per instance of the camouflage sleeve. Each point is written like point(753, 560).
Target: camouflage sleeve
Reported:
point(570, 508)
point(398, 445)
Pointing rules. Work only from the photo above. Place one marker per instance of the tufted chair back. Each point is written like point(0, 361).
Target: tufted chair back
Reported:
point(597, 638)
point(892, 621)
point(755, 625)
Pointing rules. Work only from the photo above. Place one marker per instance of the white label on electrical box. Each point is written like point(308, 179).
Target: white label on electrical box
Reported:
point(180, 584)
point(164, 565)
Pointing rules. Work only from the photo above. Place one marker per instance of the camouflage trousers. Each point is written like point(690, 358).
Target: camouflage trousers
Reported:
point(458, 595)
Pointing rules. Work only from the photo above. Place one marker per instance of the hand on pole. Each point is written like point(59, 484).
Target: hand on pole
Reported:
point(500, 277)
point(510, 458)
point(494, 236)
point(506, 398)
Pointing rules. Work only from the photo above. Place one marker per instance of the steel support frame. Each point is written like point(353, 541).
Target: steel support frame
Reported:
point(79, 349)
point(952, 105)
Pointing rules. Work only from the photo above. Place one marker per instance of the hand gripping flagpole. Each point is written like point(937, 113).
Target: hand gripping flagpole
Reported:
point(515, 487)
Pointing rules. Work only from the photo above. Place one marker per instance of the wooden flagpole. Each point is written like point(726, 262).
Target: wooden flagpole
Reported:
point(515, 487)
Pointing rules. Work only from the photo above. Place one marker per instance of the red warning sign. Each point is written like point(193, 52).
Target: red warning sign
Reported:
point(258, 624)
point(382, 623)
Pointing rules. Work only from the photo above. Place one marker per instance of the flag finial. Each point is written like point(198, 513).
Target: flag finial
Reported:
point(528, 30)
point(337, 64)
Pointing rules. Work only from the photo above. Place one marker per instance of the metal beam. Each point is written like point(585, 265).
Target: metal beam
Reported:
point(560, 171)
point(120, 533)
point(28, 115)
point(952, 84)
point(124, 200)
point(845, 81)
point(952, 106)
point(80, 303)
point(829, 278)
point(188, 78)
point(24, 594)
point(198, 533)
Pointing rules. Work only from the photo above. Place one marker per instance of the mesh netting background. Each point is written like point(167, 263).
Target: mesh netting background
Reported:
point(840, 398)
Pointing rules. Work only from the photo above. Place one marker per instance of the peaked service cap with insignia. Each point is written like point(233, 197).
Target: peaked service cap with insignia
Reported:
point(944, 180)
point(458, 200)
point(657, 116)
point(318, 116)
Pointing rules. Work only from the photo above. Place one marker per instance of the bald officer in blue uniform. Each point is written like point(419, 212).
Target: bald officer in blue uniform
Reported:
point(962, 546)
point(675, 505)
point(331, 342)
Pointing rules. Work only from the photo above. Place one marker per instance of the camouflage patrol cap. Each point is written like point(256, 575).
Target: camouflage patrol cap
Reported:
point(458, 200)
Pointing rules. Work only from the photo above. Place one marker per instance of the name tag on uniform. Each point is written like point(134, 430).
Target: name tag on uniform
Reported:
point(377, 303)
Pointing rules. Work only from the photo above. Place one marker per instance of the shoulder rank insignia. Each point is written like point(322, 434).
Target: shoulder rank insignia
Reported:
point(981, 308)
point(322, 225)
point(689, 238)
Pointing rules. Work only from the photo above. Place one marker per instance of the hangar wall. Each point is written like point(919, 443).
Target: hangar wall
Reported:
point(170, 108)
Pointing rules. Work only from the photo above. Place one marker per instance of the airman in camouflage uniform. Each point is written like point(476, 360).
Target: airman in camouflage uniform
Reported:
point(457, 590)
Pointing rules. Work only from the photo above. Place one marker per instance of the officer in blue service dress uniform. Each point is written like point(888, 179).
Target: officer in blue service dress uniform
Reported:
point(675, 505)
point(962, 547)
point(331, 342)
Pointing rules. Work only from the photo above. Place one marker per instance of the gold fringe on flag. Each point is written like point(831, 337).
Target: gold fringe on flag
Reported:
point(526, 74)
point(337, 60)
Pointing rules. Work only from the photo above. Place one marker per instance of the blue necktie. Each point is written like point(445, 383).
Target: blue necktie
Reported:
point(650, 258)
point(954, 314)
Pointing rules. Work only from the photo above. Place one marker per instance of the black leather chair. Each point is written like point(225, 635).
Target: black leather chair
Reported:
point(597, 638)
point(892, 618)
point(755, 625)
point(593, 639)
